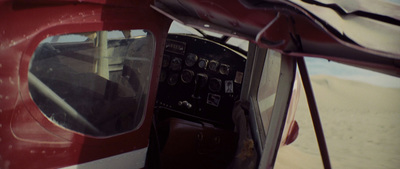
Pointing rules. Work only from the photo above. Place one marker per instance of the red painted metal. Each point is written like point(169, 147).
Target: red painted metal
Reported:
point(291, 129)
point(292, 133)
point(27, 138)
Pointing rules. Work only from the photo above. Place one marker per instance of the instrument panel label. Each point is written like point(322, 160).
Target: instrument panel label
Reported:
point(213, 99)
point(239, 77)
point(228, 86)
point(175, 46)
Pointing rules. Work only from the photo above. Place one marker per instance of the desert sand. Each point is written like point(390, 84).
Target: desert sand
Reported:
point(361, 123)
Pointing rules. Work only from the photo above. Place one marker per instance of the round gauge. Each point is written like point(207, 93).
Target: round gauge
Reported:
point(203, 63)
point(165, 61)
point(187, 76)
point(213, 65)
point(176, 64)
point(224, 69)
point(173, 79)
point(163, 75)
point(191, 59)
point(214, 84)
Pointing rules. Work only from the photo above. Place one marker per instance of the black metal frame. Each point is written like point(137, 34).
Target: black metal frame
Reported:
point(312, 104)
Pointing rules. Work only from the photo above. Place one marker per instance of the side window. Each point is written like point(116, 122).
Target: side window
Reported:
point(268, 86)
point(95, 83)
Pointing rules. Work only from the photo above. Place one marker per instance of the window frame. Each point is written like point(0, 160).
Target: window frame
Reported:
point(159, 28)
point(267, 142)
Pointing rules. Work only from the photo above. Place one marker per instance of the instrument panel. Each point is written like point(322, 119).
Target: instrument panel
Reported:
point(200, 79)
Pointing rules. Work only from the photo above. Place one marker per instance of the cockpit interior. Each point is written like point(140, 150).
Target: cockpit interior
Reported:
point(199, 84)
point(96, 83)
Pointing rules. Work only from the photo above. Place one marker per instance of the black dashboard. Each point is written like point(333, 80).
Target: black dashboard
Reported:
point(200, 79)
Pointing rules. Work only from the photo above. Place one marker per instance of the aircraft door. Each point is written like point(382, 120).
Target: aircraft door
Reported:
point(82, 81)
point(269, 92)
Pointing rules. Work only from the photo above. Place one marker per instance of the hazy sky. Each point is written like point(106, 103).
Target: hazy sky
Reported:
point(324, 67)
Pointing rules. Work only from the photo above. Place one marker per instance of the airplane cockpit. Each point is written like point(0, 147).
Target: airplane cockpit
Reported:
point(200, 78)
point(120, 84)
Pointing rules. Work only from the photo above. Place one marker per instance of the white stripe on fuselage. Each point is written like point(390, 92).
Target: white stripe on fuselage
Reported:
point(133, 159)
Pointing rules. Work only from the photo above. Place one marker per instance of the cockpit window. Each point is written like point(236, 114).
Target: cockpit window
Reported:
point(176, 27)
point(95, 83)
point(268, 86)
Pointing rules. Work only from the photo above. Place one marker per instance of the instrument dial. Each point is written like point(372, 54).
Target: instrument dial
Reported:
point(187, 76)
point(191, 60)
point(215, 84)
point(224, 69)
point(203, 63)
point(176, 64)
point(213, 65)
point(173, 79)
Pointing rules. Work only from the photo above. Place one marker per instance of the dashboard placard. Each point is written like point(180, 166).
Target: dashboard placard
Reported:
point(228, 86)
point(175, 46)
point(213, 99)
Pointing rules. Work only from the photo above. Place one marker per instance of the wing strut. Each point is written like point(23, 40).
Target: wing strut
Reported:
point(314, 113)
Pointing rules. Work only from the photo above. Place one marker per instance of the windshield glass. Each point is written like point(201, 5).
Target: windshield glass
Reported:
point(179, 28)
point(95, 83)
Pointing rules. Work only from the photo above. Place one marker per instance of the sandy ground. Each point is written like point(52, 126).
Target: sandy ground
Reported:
point(361, 123)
